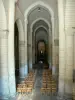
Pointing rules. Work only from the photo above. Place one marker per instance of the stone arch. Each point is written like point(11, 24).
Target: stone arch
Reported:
point(22, 69)
point(20, 28)
point(40, 27)
point(33, 6)
point(43, 19)
point(46, 6)
point(44, 28)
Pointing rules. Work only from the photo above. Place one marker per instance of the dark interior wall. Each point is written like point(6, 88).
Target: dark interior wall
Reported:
point(16, 51)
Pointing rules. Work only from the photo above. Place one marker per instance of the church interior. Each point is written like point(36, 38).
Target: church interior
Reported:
point(37, 49)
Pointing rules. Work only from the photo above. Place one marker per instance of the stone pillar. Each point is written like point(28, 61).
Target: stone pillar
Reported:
point(74, 72)
point(26, 63)
point(53, 60)
point(22, 58)
point(62, 59)
point(33, 48)
point(21, 49)
point(7, 71)
point(56, 66)
point(53, 46)
point(30, 52)
point(50, 49)
point(70, 31)
point(53, 49)
point(11, 65)
point(69, 61)
point(4, 74)
point(74, 91)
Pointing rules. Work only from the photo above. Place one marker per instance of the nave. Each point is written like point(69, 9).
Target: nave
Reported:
point(44, 86)
point(34, 32)
point(41, 85)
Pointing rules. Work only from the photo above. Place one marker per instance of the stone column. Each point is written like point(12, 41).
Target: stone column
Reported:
point(62, 59)
point(69, 61)
point(30, 52)
point(11, 65)
point(26, 63)
point(53, 48)
point(4, 87)
point(70, 31)
point(53, 60)
point(56, 51)
point(33, 48)
point(49, 49)
point(4, 74)
point(74, 72)
point(74, 91)
point(22, 58)
point(74, 54)
point(21, 49)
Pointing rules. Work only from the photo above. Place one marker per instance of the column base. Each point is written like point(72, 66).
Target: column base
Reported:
point(30, 67)
point(68, 86)
point(23, 70)
point(26, 70)
point(64, 96)
point(7, 87)
point(50, 66)
point(4, 86)
point(8, 97)
point(61, 88)
point(53, 70)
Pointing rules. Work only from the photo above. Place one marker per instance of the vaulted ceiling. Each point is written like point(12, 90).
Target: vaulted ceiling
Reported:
point(24, 4)
point(38, 12)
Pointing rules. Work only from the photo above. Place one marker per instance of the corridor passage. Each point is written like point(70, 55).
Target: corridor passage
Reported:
point(37, 49)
